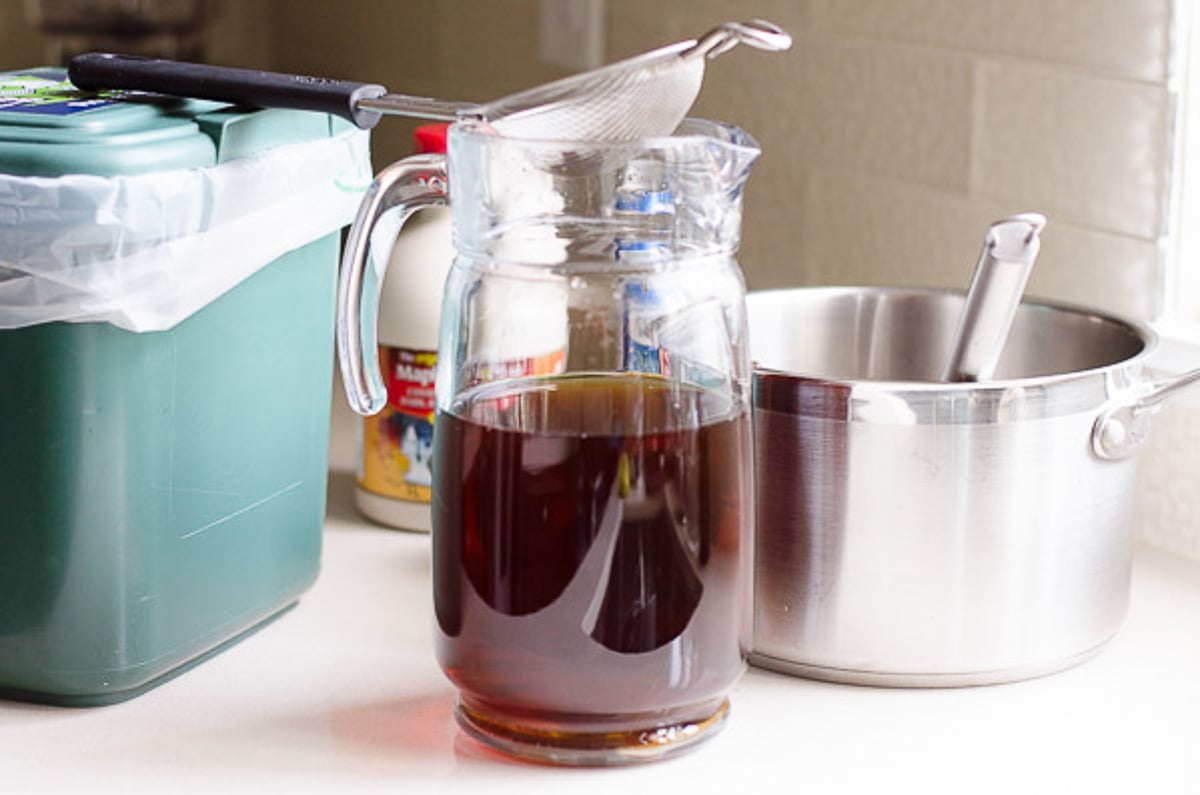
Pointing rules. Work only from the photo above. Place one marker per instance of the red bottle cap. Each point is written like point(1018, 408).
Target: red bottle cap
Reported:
point(431, 139)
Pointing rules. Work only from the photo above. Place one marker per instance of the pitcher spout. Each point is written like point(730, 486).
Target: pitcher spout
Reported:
point(731, 150)
point(711, 178)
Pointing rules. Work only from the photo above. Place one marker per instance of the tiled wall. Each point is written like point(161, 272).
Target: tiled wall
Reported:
point(894, 132)
point(1168, 508)
point(897, 129)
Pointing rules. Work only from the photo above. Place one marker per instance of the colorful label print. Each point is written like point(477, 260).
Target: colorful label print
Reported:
point(644, 312)
point(550, 363)
point(398, 442)
point(39, 94)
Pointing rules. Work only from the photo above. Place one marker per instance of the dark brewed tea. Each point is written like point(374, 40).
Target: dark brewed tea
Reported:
point(590, 539)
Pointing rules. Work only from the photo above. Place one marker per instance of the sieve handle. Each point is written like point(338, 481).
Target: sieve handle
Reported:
point(97, 71)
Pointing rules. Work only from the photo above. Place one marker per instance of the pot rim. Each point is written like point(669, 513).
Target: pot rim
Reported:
point(1138, 329)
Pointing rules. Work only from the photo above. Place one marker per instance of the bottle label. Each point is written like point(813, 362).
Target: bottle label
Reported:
point(644, 313)
point(398, 441)
point(48, 92)
point(648, 207)
point(550, 363)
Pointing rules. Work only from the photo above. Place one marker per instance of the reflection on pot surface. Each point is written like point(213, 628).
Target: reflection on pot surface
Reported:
point(914, 532)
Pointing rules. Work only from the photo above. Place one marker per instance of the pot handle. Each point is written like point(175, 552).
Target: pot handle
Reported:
point(407, 186)
point(1121, 428)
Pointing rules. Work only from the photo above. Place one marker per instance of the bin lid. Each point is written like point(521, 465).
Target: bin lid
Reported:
point(50, 128)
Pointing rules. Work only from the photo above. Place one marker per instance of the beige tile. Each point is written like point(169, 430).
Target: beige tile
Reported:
point(890, 110)
point(854, 230)
point(1121, 38)
point(1167, 512)
point(1092, 150)
point(486, 50)
point(881, 109)
point(1101, 270)
point(893, 132)
point(863, 230)
point(774, 234)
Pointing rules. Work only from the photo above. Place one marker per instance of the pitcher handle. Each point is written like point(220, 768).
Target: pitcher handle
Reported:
point(407, 186)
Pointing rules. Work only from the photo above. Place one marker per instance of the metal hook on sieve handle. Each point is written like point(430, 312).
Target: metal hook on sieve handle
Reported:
point(757, 33)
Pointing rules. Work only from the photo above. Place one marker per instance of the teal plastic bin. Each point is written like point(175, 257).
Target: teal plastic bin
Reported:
point(162, 489)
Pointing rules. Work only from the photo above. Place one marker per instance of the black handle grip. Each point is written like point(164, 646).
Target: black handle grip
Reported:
point(95, 71)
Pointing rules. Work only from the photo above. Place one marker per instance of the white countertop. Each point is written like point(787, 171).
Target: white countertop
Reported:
point(342, 694)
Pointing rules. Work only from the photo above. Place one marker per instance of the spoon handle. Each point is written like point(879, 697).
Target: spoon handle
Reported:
point(1009, 250)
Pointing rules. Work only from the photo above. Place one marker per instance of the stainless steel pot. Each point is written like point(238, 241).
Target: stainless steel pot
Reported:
point(918, 533)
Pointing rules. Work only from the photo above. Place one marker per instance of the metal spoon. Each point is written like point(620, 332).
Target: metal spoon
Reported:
point(642, 96)
point(1009, 250)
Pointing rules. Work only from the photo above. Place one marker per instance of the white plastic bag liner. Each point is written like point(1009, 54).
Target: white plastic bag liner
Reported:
point(145, 252)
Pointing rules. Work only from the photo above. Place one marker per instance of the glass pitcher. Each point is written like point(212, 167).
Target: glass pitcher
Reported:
point(592, 511)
